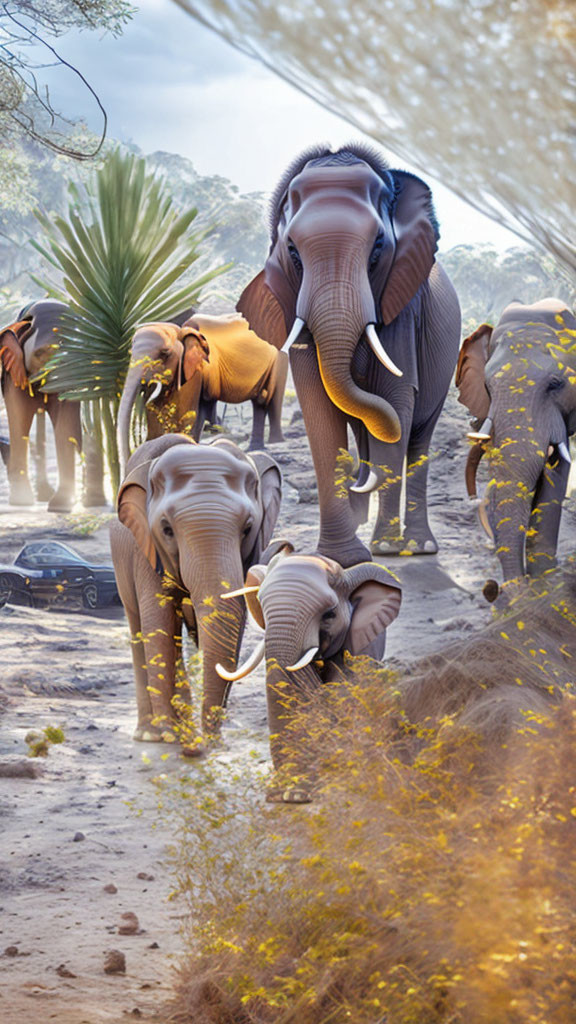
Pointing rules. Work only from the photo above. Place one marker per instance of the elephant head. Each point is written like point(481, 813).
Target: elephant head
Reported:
point(352, 242)
point(27, 344)
point(201, 515)
point(312, 611)
point(163, 356)
point(519, 381)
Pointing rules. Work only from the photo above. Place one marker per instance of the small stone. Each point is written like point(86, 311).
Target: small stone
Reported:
point(63, 972)
point(11, 951)
point(114, 962)
point(20, 768)
point(153, 945)
point(78, 837)
point(129, 924)
point(135, 1012)
point(145, 877)
point(111, 888)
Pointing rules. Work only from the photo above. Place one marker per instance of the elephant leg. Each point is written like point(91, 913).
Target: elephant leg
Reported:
point(94, 496)
point(20, 409)
point(544, 525)
point(418, 537)
point(65, 418)
point(274, 408)
point(326, 427)
point(258, 421)
point(43, 489)
point(387, 536)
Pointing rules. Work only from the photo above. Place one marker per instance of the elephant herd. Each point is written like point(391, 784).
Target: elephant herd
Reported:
point(352, 290)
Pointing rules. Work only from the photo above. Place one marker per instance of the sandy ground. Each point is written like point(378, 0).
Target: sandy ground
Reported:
point(91, 819)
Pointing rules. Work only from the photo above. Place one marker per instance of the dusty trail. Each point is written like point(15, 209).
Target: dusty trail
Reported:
point(74, 670)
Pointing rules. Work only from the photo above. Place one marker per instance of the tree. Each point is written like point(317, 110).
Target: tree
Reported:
point(478, 93)
point(123, 256)
point(26, 110)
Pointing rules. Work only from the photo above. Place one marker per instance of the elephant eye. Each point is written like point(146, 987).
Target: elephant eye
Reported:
point(330, 614)
point(555, 384)
point(167, 529)
point(247, 528)
point(375, 254)
point(294, 255)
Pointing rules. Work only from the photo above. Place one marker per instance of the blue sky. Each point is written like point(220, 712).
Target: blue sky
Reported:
point(170, 84)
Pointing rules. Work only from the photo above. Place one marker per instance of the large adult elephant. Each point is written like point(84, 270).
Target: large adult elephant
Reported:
point(184, 371)
point(374, 328)
point(25, 347)
point(313, 611)
point(519, 381)
point(192, 519)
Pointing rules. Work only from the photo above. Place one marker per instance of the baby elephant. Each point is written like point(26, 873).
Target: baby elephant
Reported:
point(312, 611)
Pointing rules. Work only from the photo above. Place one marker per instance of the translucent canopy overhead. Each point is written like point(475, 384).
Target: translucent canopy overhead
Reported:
point(479, 94)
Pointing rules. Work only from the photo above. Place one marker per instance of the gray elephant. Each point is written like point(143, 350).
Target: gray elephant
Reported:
point(185, 368)
point(373, 327)
point(313, 611)
point(25, 347)
point(519, 381)
point(192, 519)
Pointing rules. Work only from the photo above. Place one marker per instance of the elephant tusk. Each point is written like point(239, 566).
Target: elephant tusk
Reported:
point(248, 666)
point(379, 352)
point(484, 433)
point(304, 660)
point(483, 517)
point(239, 593)
point(564, 453)
point(154, 394)
point(369, 484)
point(294, 334)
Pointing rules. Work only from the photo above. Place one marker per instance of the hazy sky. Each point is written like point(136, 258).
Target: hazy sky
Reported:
point(170, 84)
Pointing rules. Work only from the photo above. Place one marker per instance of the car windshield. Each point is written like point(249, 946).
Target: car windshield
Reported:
point(49, 553)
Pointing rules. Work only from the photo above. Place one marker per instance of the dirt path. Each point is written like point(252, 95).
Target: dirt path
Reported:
point(74, 670)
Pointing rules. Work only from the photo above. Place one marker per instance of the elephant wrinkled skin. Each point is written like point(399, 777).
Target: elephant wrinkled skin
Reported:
point(373, 328)
point(192, 519)
point(313, 611)
point(519, 381)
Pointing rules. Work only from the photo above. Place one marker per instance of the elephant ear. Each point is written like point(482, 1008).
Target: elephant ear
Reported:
point(132, 509)
point(376, 596)
point(196, 351)
point(270, 496)
point(470, 377)
point(262, 310)
point(11, 352)
point(416, 234)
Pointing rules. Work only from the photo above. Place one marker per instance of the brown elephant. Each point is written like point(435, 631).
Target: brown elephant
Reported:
point(374, 328)
point(184, 371)
point(313, 611)
point(25, 347)
point(518, 380)
point(192, 519)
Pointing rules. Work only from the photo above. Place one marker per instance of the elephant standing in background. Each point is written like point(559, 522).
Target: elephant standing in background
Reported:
point(184, 371)
point(519, 381)
point(25, 347)
point(312, 611)
point(374, 328)
point(192, 519)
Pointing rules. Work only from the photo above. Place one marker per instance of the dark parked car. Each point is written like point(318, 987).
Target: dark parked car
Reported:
point(47, 572)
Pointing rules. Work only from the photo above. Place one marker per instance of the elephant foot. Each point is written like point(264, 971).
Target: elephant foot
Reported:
point(61, 502)
point(44, 492)
point(22, 494)
point(193, 748)
point(154, 734)
point(403, 547)
point(96, 500)
point(276, 437)
point(346, 554)
point(291, 795)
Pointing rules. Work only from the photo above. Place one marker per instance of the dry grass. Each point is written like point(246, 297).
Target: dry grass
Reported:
point(433, 881)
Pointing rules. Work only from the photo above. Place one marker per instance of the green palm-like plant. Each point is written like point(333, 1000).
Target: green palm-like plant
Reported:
point(123, 252)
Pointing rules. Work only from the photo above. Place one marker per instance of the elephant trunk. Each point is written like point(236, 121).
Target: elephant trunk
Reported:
point(290, 640)
point(337, 304)
point(510, 500)
point(220, 622)
point(130, 392)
